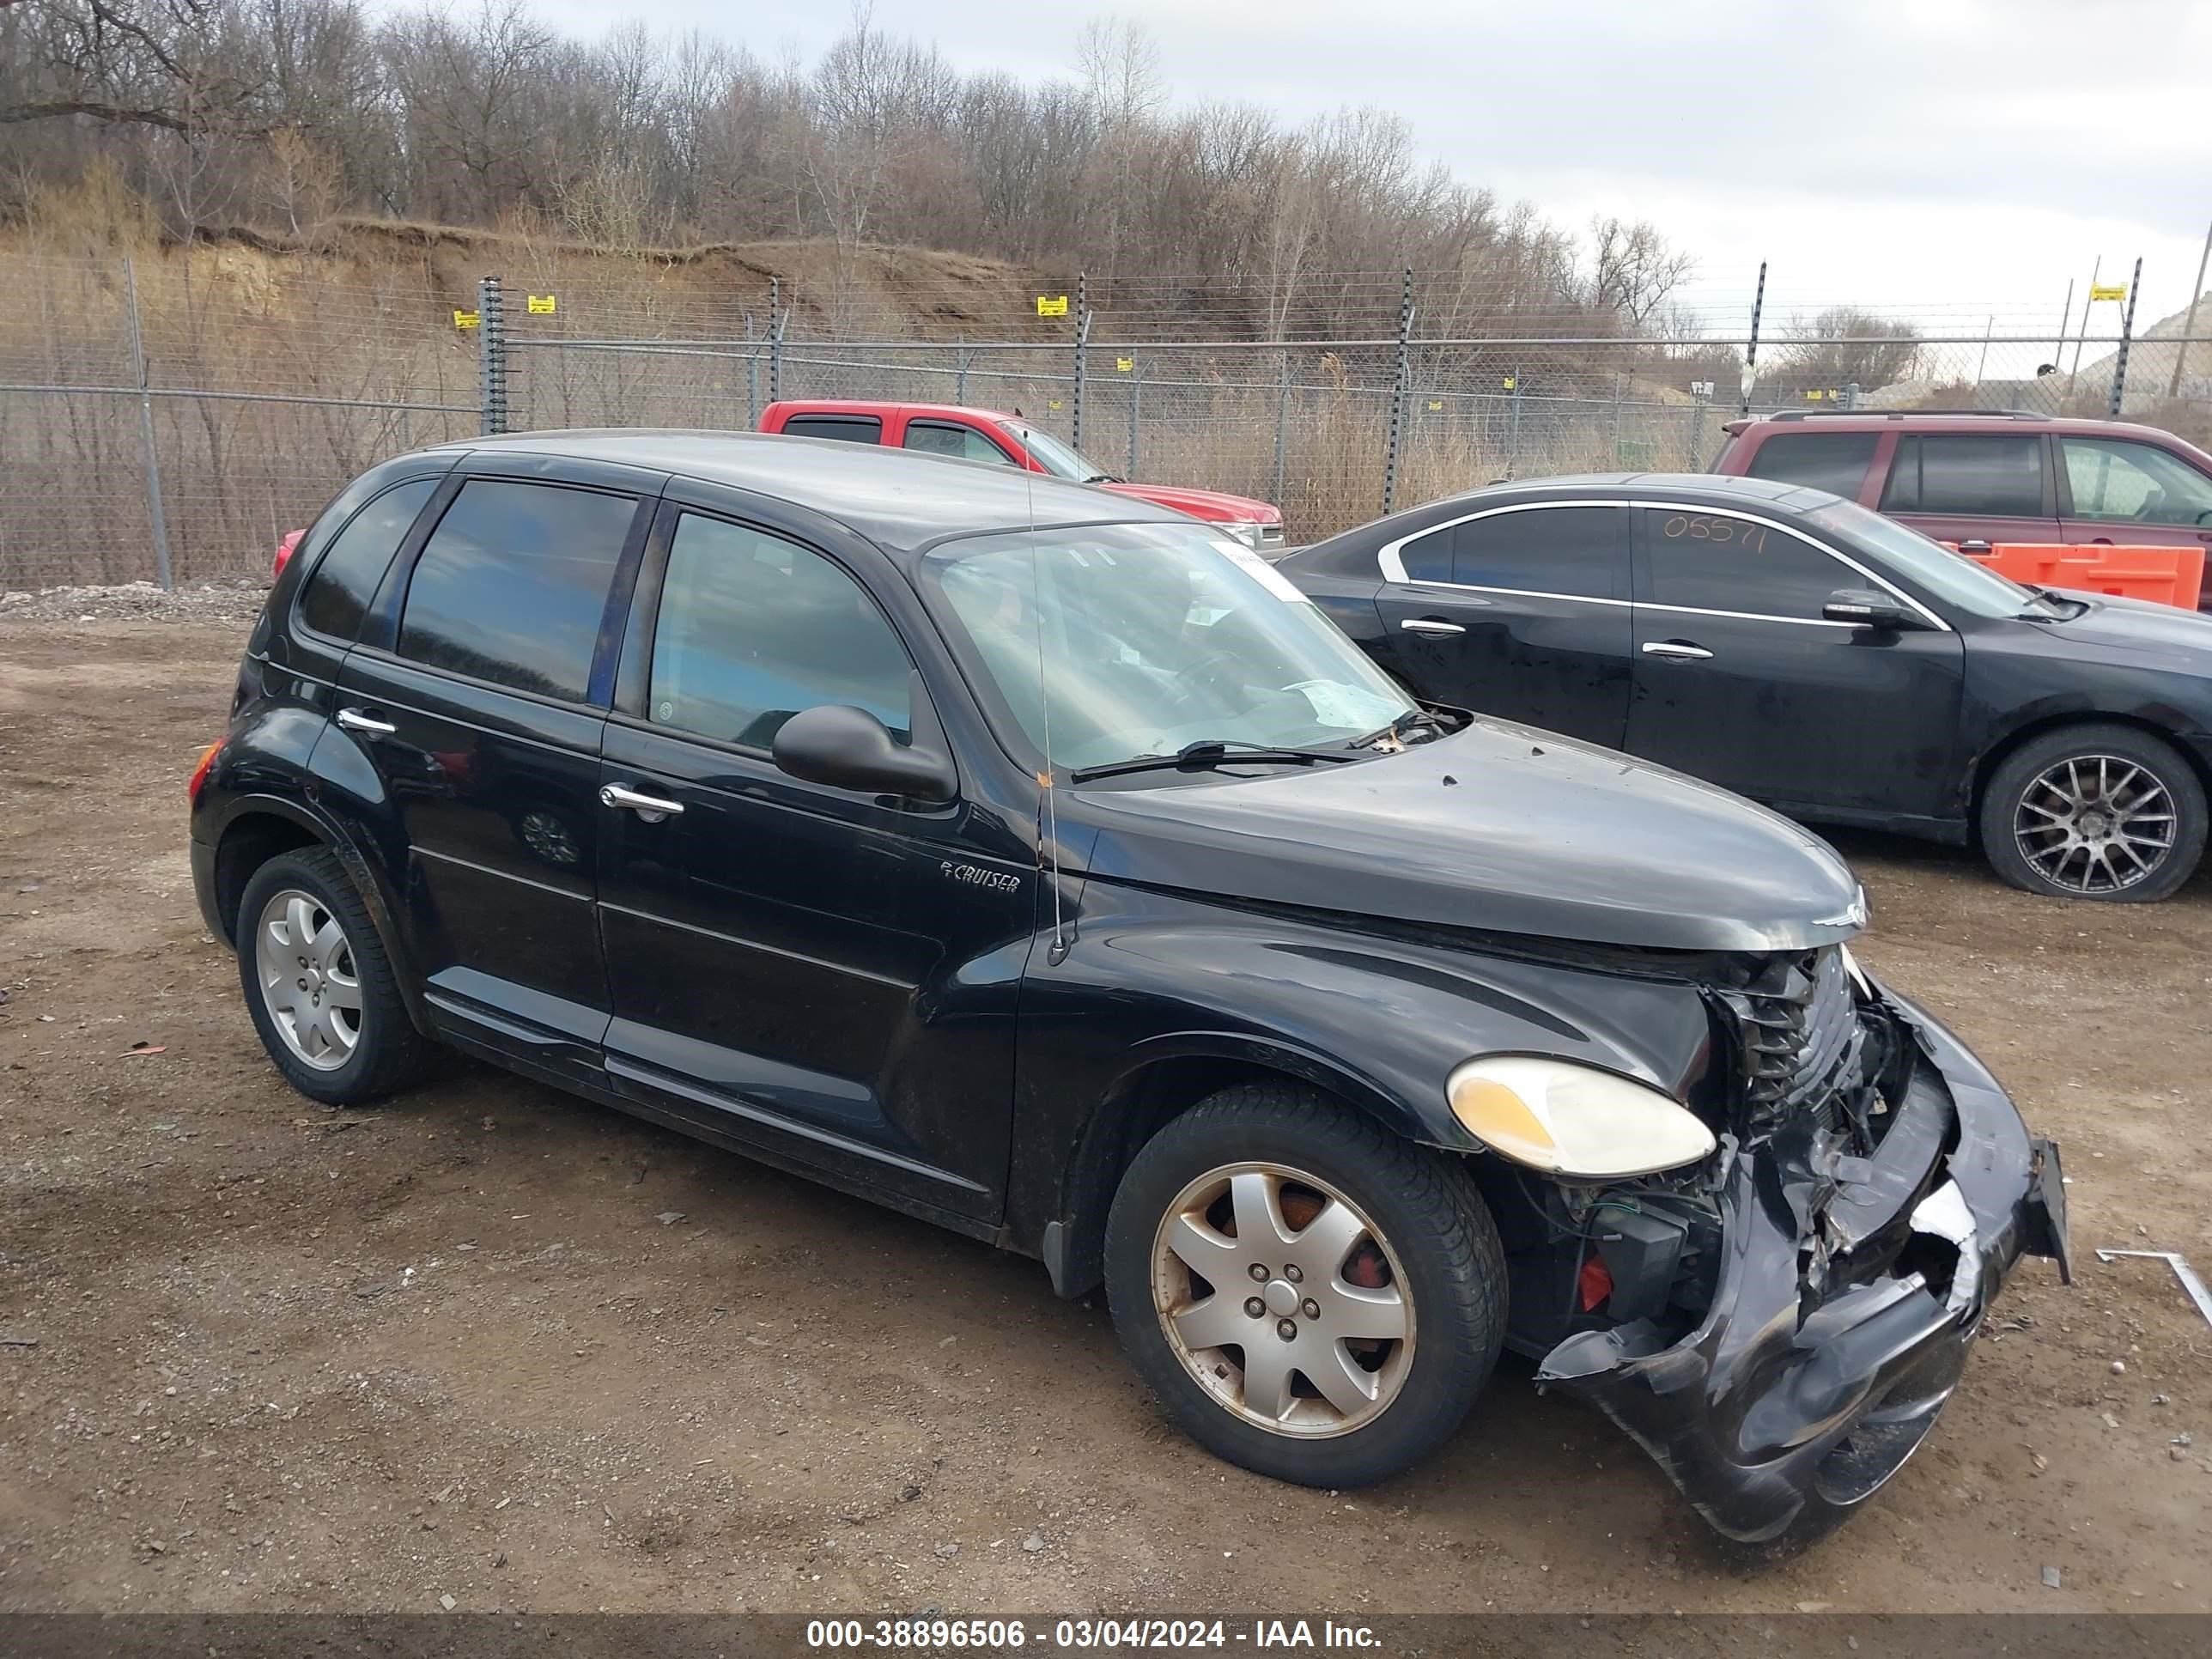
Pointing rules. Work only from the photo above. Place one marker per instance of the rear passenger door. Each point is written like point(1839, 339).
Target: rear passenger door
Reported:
point(1520, 611)
point(2115, 489)
point(1973, 486)
point(473, 708)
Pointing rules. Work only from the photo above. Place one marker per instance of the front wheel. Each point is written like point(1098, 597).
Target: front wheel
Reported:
point(2095, 812)
point(1309, 1296)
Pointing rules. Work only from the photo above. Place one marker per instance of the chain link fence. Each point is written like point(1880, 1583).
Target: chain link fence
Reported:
point(169, 419)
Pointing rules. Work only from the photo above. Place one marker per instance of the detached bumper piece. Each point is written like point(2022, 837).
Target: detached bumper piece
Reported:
point(1789, 1405)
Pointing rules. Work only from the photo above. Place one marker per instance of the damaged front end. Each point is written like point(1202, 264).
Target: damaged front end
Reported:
point(1780, 1326)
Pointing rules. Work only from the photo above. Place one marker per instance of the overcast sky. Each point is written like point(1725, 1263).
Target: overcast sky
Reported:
point(1942, 158)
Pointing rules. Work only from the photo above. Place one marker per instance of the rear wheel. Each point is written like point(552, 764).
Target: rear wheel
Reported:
point(1309, 1296)
point(319, 985)
point(2094, 811)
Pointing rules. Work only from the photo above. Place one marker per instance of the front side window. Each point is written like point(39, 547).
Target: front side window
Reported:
point(1057, 458)
point(2140, 484)
point(960, 443)
point(337, 594)
point(752, 628)
point(1969, 473)
point(1952, 578)
point(1575, 550)
point(1715, 561)
point(1835, 461)
point(1122, 640)
point(512, 584)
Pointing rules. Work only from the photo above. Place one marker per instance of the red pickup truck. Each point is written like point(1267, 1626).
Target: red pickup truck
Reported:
point(986, 434)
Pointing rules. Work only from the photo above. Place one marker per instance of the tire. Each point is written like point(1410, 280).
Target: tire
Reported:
point(300, 1018)
point(2051, 788)
point(1416, 1212)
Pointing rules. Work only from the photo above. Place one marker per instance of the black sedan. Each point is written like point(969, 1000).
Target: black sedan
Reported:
point(1799, 649)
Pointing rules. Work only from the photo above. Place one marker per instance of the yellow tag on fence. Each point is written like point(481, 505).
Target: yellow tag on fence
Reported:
point(1125, 364)
point(1052, 306)
point(2108, 291)
point(542, 305)
point(1509, 382)
point(466, 320)
point(1436, 403)
point(1054, 404)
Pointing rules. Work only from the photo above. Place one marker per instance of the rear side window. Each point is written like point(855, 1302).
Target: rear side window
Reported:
point(1989, 476)
point(1575, 550)
point(1711, 561)
point(848, 429)
point(1835, 461)
point(337, 594)
point(752, 628)
point(961, 442)
point(512, 585)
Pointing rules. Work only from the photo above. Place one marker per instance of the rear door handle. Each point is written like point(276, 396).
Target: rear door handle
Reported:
point(1676, 651)
point(353, 720)
point(1433, 626)
point(651, 808)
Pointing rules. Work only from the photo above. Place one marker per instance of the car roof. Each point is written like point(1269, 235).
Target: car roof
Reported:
point(898, 499)
point(1946, 420)
point(1665, 486)
point(879, 406)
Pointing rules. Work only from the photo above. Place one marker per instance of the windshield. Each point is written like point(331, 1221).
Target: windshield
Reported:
point(1057, 458)
point(1138, 639)
point(1951, 577)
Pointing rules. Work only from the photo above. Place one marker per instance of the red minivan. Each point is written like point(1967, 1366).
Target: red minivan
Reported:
point(1990, 476)
point(986, 434)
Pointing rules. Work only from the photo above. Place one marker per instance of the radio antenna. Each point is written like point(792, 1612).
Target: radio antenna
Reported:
point(1047, 803)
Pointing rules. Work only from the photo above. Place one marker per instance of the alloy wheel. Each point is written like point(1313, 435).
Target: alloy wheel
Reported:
point(1283, 1301)
point(305, 967)
point(2094, 823)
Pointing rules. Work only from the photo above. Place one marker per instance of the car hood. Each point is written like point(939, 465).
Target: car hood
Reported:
point(2139, 626)
point(1500, 828)
point(1210, 504)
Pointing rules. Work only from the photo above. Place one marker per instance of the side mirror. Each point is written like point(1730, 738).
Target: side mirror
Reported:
point(849, 748)
point(1867, 607)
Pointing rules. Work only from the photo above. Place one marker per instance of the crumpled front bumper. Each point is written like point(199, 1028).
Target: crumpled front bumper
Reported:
point(1768, 1417)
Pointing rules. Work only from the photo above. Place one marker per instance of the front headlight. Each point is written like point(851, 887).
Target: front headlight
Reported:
point(1576, 1120)
point(1244, 531)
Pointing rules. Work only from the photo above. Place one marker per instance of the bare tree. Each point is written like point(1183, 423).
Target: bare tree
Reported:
point(1843, 346)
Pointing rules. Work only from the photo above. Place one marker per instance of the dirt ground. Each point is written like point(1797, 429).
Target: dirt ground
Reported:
point(489, 1342)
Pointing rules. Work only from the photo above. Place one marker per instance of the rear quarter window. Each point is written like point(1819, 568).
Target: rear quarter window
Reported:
point(1834, 461)
point(846, 428)
point(344, 580)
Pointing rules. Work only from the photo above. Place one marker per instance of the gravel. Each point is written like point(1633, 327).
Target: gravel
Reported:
point(234, 599)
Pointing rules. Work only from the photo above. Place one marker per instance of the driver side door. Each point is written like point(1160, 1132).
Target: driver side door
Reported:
point(823, 976)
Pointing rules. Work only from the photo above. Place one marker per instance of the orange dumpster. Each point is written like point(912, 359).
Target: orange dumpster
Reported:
point(2164, 575)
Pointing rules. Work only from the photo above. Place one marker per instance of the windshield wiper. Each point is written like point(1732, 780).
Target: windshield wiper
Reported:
point(1412, 720)
point(1208, 752)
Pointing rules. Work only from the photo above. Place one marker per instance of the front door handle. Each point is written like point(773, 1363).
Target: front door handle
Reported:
point(1676, 651)
point(353, 720)
point(1434, 626)
point(651, 808)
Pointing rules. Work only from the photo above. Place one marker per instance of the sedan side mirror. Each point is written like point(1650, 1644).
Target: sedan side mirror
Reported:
point(849, 748)
point(1867, 607)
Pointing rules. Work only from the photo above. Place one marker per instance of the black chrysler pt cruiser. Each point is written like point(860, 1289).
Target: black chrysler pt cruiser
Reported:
point(1042, 863)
